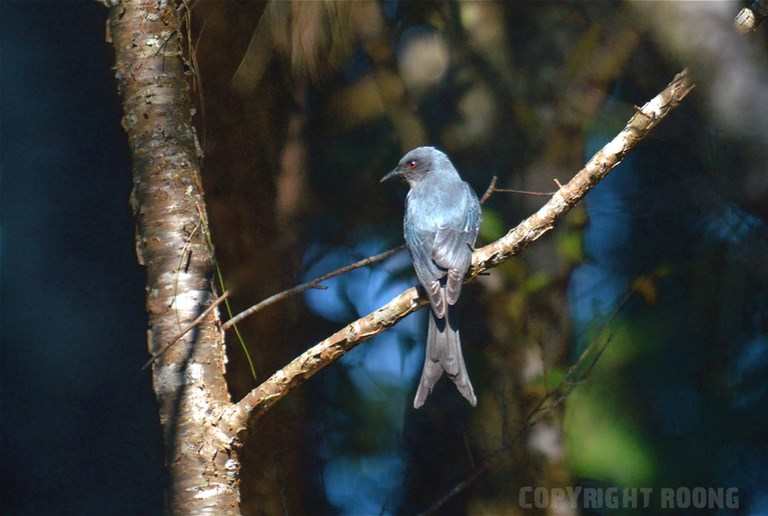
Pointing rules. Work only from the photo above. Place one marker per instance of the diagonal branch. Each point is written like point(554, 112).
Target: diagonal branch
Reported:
point(260, 399)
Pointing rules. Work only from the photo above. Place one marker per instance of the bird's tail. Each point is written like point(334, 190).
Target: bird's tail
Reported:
point(443, 354)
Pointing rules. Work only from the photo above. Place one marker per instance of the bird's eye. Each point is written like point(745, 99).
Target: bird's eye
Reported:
point(411, 164)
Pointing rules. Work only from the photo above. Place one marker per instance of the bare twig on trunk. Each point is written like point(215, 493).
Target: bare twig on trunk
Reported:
point(186, 330)
point(748, 19)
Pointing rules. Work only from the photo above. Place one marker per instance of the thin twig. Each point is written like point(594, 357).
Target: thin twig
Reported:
point(524, 192)
point(461, 486)
point(489, 191)
point(315, 283)
point(327, 351)
point(186, 330)
point(492, 189)
point(165, 42)
point(581, 369)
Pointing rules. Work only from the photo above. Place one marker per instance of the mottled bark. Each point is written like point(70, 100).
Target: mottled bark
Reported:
point(171, 242)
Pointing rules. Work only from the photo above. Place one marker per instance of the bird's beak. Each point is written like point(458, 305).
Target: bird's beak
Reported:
point(392, 174)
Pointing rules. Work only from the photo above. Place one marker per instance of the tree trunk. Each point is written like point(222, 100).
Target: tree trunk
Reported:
point(172, 243)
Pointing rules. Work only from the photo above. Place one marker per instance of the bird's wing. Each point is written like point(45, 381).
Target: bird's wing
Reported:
point(452, 248)
point(429, 275)
point(453, 245)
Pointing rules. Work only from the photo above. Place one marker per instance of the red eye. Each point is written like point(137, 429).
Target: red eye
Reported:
point(411, 164)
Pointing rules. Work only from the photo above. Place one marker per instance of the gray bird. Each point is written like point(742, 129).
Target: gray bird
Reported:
point(442, 218)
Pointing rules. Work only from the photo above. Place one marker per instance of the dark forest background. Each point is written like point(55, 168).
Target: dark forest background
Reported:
point(663, 268)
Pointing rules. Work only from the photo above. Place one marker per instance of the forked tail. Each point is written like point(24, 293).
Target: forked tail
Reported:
point(443, 354)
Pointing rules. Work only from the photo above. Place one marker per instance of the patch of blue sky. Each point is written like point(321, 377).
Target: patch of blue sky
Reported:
point(593, 292)
point(744, 466)
point(384, 365)
point(382, 373)
point(746, 376)
point(598, 284)
point(385, 361)
point(358, 292)
point(730, 224)
point(364, 485)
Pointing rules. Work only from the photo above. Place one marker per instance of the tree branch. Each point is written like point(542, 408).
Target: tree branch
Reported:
point(260, 399)
point(531, 229)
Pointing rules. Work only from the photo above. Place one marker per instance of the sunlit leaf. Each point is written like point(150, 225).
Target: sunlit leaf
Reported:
point(536, 282)
point(570, 246)
point(492, 226)
point(513, 269)
point(602, 444)
point(577, 217)
point(646, 287)
point(550, 379)
point(516, 305)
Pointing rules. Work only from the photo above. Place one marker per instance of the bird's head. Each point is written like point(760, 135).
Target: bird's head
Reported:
point(418, 164)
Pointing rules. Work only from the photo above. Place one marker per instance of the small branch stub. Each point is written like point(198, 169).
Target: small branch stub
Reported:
point(748, 18)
